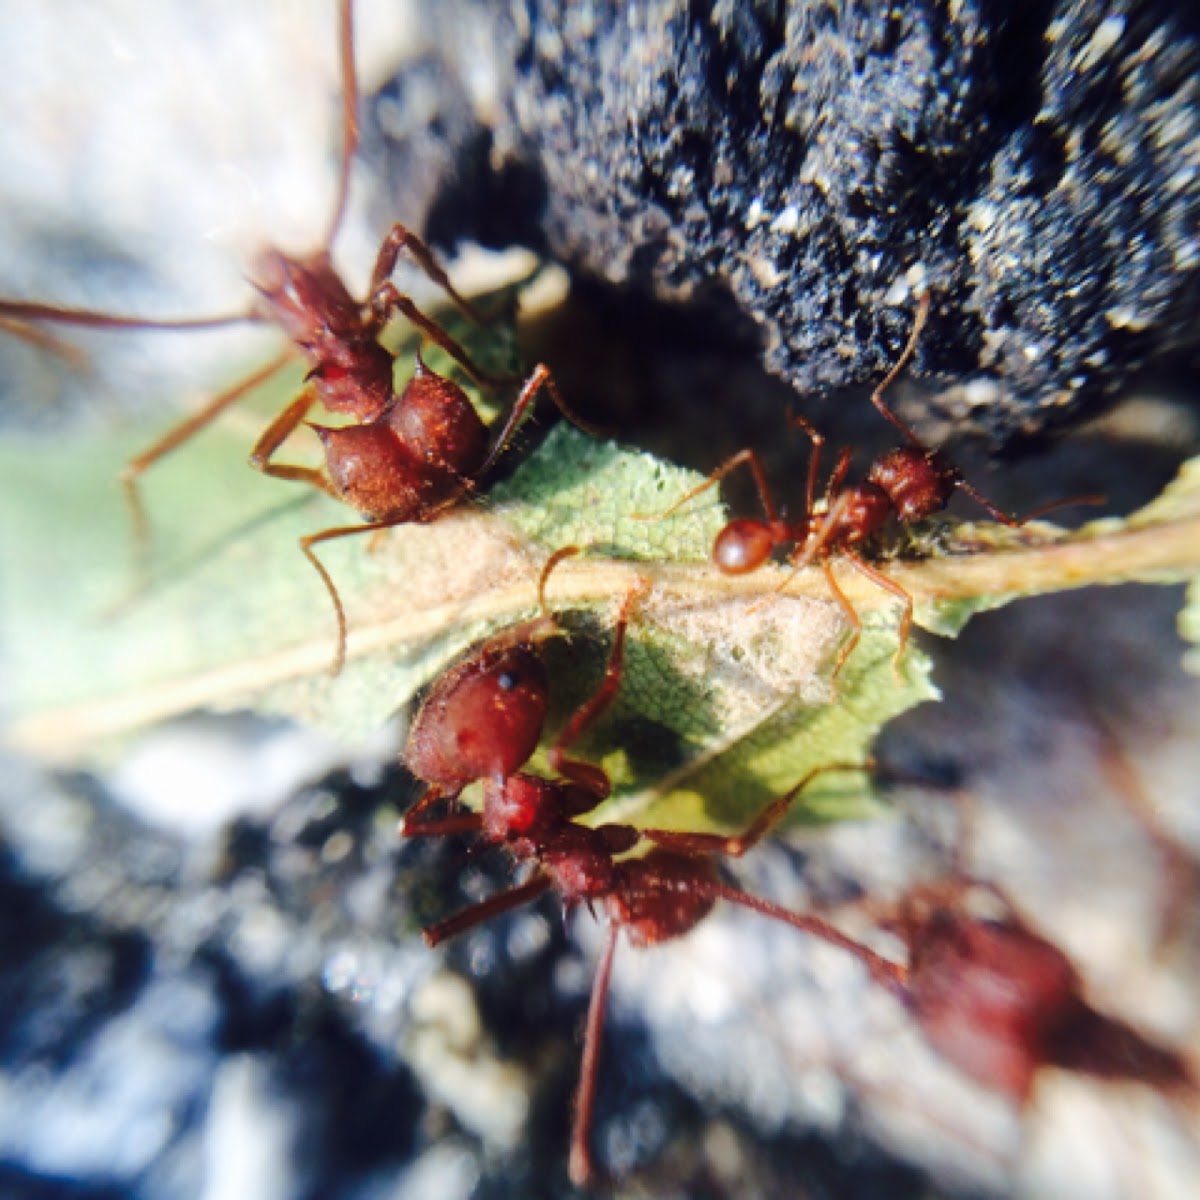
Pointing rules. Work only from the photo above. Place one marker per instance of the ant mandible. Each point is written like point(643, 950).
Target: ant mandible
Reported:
point(408, 456)
point(481, 721)
point(913, 482)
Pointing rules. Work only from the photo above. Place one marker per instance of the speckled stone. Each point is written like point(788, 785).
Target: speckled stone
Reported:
point(1034, 164)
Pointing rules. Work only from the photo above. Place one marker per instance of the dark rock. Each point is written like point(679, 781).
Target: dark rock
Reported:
point(1033, 163)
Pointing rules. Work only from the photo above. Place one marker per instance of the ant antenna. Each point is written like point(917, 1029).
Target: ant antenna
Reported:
point(14, 312)
point(350, 131)
point(45, 341)
point(923, 305)
point(563, 552)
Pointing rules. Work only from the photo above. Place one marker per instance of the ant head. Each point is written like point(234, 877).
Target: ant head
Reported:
point(305, 296)
point(743, 546)
point(917, 483)
point(483, 718)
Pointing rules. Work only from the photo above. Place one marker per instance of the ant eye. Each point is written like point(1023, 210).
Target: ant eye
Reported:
point(507, 681)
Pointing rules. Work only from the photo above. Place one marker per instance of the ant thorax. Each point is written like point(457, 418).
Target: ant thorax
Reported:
point(406, 456)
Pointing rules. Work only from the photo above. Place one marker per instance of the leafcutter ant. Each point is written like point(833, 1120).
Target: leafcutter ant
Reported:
point(1000, 1002)
point(407, 455)
point(481, 721)
point(994, 995)
point(910, 482)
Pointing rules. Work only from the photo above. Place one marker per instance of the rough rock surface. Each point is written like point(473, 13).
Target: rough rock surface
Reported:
point(1035, 164)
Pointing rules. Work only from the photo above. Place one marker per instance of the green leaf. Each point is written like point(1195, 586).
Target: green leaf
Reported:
point(726, 699)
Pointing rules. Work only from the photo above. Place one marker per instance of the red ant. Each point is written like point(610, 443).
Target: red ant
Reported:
point(1000, 1002)
point(409, 455)
point(481, 721)
point(912, 482)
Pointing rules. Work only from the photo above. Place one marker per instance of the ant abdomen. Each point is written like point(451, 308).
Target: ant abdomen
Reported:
point(662, 896)
point(480, 720)
point(436, 420)
point(918, 484)
point(743, 546)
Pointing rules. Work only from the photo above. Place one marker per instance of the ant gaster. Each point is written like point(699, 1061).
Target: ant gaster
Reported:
point(409, 455)
point(481, 721)
point(912, 482)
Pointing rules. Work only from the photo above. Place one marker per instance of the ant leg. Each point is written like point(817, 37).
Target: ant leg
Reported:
point(561, 554)
point(840, 470)
point(387, 300)
point(995, 513)
point(1088, 498)
point(541, 377)
point(814, 462)
point(485, 910)
point(328, 535)
point(881, 580)
point(350, 136)
point(890, 974)
point(44, 341)
point(276, 434)
point(738, 844)
point(446, 827)
point(751, 459)
point(580, 1163)
point(851, 615)
point(588, 775)
point(905, 358)
point(1040, 511)
point(401, 238)
point(1179, 868)
point(429, 797)
point(179, 433)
